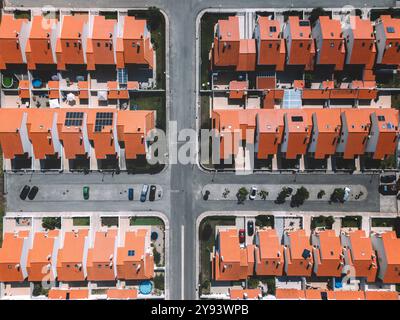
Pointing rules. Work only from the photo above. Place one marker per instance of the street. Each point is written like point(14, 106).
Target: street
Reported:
point(182, 184)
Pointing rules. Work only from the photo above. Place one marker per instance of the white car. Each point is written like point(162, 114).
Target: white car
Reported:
point(253, 193)
point(346, 193)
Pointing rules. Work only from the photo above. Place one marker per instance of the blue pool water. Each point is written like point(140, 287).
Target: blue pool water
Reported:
point(145, 287)
point(338, 283)
point(36, 83)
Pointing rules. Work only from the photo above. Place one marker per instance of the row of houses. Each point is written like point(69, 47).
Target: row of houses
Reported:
point(73, 133)
point(76, 256)
point(74, 39)
point(318, 133)
point(329, 42)
point(325, 255)
point(315, 294)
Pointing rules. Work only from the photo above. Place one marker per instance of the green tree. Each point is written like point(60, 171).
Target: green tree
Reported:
point(242, 194)
point(316, 13)
point(320, 194)
point(329, 221)
point(338, 195)
point(252, 283)
point(51, 223)
point(300, 196)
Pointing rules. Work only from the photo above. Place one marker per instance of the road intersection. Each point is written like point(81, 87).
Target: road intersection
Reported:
point(182, 202)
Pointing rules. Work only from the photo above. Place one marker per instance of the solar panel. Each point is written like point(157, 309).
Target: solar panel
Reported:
point(73, 119)
point(390, 29)
point(103, 119)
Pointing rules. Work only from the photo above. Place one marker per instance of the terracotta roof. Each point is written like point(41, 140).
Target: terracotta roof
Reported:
point(289, 294)
point(71, 294)
point(381, 295)
point(239, 294)
point(122, 294)
point(299, 258)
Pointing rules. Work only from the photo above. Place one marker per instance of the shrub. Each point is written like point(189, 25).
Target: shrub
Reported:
point(242, 194)
point(337, 195)
point(299, 197)
point(263, 194)
point(157, 257)
point(51, 223)
point(252, 283)
point(320, 194)
point(159, 282)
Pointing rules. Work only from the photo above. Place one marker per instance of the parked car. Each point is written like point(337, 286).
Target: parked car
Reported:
point(86, 192)
point(250, 228)
point(388, 189)
point(33, 192)
point(347, 191)
point(242, 236)
point(388, 179)
point(130, 194)
point(143, 194)
point(152, 194)
point(24, 192)
point(253, 193)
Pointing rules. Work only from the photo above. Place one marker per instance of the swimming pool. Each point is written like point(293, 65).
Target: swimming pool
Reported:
point(145, 287)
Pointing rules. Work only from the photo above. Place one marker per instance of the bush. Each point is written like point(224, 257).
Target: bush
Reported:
point(263, 194)
point(337, 195)
point(157, 257)
point(265, 221)
point(252, 283)
point(38, 290)
point(320, 194)
point(206, 285)
point(51, 223)
point(316, 13)
point(299, 197)
point(242, 194)
point(159, 282)
point(285, 192)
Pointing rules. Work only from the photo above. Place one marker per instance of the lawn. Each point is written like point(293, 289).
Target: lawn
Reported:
point(207, 24)
point(205, 111)
point(383, 222)
point(81, 221)
point(207, 241)
point(151, 101)
point(352, 222)
point(146, 221)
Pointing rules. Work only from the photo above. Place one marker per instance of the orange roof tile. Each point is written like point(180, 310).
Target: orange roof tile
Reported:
point(122, 294)
point(346, 295)
point(40, 255)
point(381, 295)
point(269, 256)
point(298, 246)
point(101, 257)
point(238, 294)
point(72, 294)
point(11, 256)
point(289, 294)
point(328, 256)
point(70, 256)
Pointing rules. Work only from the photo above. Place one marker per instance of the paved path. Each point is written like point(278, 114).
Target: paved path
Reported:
point(182, 183)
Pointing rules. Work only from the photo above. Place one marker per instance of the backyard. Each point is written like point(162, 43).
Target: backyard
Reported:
point(146, 221)
point(207, 241)
point(352, 222)
point(151, 101)
point(207, 24)
point(81, 221)
point(322, 222)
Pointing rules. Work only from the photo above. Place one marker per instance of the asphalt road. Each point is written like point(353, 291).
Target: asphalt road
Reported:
point(181, 183)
